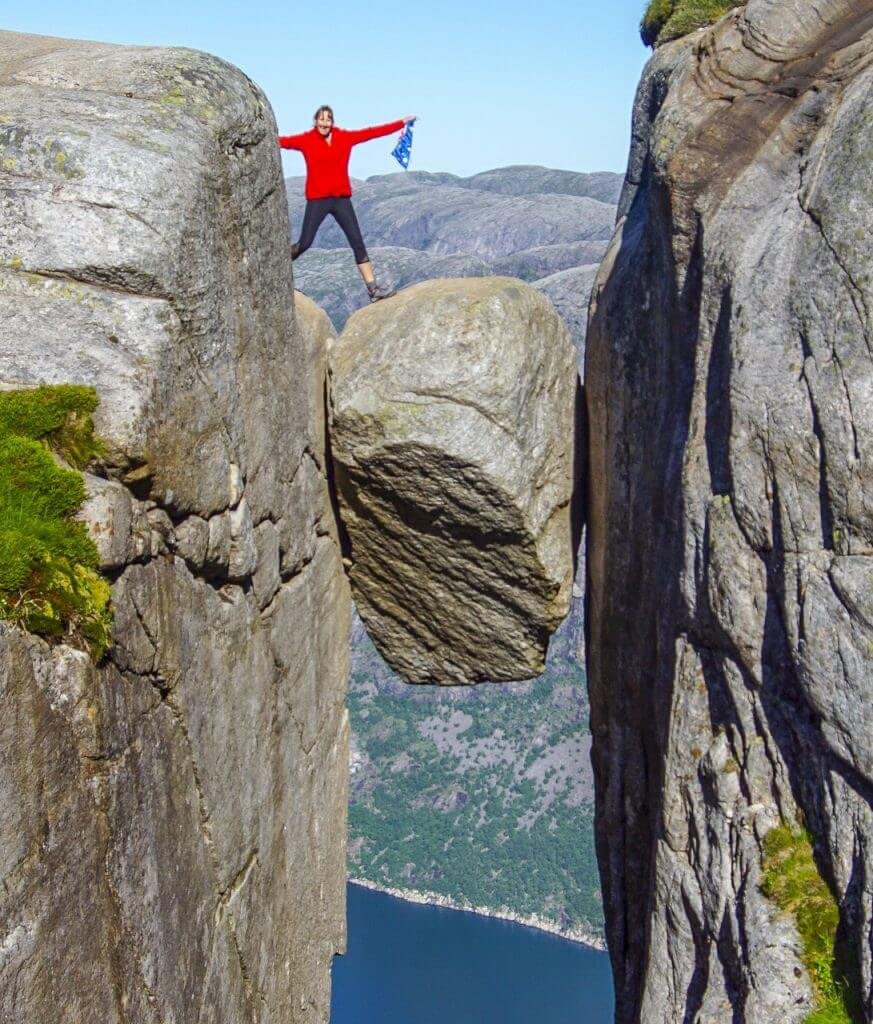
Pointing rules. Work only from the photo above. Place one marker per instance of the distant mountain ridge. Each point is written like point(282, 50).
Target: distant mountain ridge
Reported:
point(526, 179)
point(515, 179)
point(446, 218)
point(524, 221)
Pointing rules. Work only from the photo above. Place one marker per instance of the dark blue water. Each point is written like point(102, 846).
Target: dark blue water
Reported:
point(413, 964)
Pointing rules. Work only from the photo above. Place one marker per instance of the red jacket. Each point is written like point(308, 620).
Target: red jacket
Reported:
point(327, 163)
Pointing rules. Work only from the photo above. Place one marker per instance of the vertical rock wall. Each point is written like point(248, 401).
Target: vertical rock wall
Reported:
point(730, 553)
point(172, 822)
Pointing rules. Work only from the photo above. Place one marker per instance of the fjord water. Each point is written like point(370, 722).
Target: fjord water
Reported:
point(413, 964)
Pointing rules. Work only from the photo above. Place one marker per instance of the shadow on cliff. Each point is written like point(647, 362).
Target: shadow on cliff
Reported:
point(630, 630)
point(580, 475)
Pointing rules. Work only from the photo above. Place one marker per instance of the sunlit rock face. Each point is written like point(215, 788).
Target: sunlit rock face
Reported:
point(729, 388)
point(453, 443)
point(172, 821)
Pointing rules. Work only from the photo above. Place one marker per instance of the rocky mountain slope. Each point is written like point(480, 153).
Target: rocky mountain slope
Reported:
point(527, 222)
point(728, 381)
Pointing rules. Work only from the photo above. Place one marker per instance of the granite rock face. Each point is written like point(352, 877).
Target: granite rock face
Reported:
point(172, 822)
point(453, 440)
point(730, 545)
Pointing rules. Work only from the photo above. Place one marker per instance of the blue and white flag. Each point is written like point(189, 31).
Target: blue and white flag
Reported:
point(403, 150)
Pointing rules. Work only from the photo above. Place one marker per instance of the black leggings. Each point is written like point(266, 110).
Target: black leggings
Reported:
point(343, 213)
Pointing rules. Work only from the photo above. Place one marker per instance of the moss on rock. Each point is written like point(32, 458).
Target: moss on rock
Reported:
point(49, 583)
point(60, 415)
point(793, 882)
point(664, 20)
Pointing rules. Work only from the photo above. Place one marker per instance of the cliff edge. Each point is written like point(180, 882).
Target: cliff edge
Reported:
point(730, 546)
point(172, 831)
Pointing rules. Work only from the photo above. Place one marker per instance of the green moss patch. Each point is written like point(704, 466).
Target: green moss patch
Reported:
point(59, 415)
point(664, 20)
point(49, 583)
point(793, 882)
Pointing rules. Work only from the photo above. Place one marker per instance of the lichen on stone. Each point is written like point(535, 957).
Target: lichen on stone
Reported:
point(49, 583)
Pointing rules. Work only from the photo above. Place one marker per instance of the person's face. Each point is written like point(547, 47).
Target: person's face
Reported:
point(324, 123)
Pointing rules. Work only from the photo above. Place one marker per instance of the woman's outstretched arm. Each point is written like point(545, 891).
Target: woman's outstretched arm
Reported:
point(377, 131)
point(292, 141)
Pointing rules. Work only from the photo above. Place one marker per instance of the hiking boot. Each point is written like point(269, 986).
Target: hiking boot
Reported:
point(379, 291)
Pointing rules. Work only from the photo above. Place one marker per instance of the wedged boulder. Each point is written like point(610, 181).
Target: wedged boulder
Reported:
point(453, 436)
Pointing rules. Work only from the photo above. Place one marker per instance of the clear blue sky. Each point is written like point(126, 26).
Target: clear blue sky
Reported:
point(545, 82)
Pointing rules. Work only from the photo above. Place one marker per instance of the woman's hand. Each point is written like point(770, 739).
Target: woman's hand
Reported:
point(411, 119)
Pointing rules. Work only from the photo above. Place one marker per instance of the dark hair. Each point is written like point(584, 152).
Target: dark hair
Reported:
point(324, 109)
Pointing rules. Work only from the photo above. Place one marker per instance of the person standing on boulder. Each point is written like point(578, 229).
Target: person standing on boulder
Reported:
point(326, 150)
